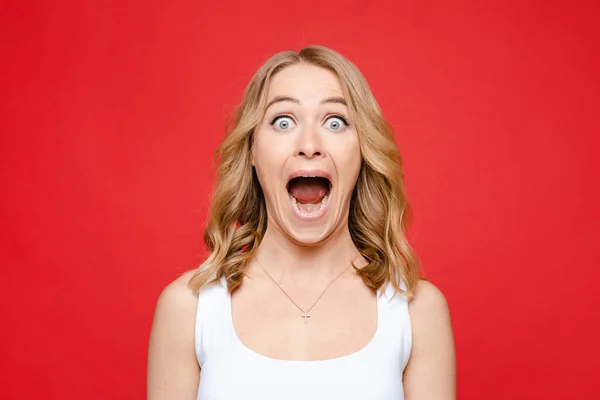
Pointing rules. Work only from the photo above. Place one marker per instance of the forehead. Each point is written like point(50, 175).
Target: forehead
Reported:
point(305, 81)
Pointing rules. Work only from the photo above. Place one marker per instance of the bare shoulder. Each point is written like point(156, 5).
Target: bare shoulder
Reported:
point(175, 314)
point(431, 369)
point(430, 318)
point(428, 302)
point(178, 297)
point(173, 371)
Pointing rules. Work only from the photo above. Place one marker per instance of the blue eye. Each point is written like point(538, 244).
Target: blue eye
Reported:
point(336, 123)
point(282, 122)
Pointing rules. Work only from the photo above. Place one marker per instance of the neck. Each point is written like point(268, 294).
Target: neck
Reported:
point(284, 259)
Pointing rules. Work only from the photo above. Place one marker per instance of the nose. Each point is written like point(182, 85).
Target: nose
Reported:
point(309, 144)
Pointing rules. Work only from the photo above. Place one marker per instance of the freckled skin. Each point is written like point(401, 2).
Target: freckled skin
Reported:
point(307, 135)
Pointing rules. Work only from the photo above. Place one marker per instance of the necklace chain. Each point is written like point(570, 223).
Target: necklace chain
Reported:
point(305, 314)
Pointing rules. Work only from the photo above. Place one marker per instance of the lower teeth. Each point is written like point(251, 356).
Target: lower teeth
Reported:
point(313, 209)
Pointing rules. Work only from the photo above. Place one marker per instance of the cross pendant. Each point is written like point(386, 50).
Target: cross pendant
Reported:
point(305, 316)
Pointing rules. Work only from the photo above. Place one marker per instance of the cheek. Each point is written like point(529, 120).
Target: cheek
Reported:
point(269, 149)
point(268, 157)
point(347, 156)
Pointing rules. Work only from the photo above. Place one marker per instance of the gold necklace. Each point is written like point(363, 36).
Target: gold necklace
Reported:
point(305, 314)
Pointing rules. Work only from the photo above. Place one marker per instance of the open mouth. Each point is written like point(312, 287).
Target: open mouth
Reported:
point(309, 194)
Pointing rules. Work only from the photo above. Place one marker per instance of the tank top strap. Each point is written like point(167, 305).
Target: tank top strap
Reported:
point(395, 322)
point(211, 328)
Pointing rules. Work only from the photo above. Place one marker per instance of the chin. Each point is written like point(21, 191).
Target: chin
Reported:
point(308, 237)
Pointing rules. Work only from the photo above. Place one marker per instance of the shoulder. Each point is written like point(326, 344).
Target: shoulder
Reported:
point(431, 369)
point(175, 313)
point(430, 319)
point(173, 370)
point(177, 299)
point(428, 302)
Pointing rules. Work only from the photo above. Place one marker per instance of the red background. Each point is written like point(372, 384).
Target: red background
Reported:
point(111, 112)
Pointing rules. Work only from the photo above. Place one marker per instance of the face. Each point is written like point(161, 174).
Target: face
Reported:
point(306, 154)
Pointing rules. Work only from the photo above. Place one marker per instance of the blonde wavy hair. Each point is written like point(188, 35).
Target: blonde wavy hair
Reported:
point(379, 211)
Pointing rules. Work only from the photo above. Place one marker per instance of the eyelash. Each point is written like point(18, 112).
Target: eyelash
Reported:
point(344, 120)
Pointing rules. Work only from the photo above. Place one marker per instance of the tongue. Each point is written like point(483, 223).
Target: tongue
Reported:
point(308, 190)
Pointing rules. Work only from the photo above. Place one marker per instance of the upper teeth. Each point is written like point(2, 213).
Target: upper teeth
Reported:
point(312, 176)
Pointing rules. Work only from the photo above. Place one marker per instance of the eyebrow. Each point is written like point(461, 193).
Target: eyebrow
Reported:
point(279, 99)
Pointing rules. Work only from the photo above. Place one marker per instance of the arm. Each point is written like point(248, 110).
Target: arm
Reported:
point(173, 371)
point(431, 369)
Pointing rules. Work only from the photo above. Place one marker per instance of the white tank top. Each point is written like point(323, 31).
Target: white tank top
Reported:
point(230, 370)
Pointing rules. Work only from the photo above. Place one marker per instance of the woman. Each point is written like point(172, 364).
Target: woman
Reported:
point(311, 290)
